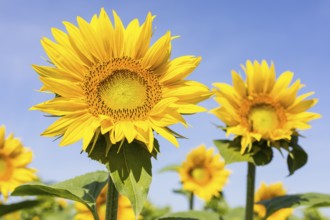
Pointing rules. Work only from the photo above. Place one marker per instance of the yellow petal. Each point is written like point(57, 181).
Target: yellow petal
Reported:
point(24, 175)
point(92, 41)
point(53, 72)
point(76, 130)
point(282, 82)
point(187, 91)
point(106, 31)
point(63, 88)
point(164, 132)
point(189, 108)
point(288, 96)
point(238, 84)
point(158, 53)
point(61, 106)
point(143, 41)
point(61, 125)
point(119, 36)
point(132, 33)
point(22, 159)
point(64, 58)
point(90, 132)
point(78, 43)
point(129, 131)
point(303, 106)
point(180, 68)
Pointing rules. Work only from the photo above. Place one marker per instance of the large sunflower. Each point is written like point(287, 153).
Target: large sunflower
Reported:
point(108, 80)
point(14, 159)
point(262, 107)
point(203, 173)
point(125, 211)
point(268, 192)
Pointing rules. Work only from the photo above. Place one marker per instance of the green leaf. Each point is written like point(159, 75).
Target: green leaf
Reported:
point(6, 209)
point(235, 214)
point(230, 151)
point(92, 182)
point(174, 168)
point(130, 170)
point(84, 189)
point(129, 165)
point(296, 159)
point(290, 201)
point(262, 153)
point(191, 215)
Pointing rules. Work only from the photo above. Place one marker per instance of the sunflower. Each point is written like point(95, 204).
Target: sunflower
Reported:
point(203, 173)
point(268, 192)
point(125, 211)
point(262, 107)
point(12, 216)
point(108, 80)
point(13, 161)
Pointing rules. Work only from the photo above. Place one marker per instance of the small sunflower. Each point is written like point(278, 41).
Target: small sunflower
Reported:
point(125, 211)
point(263, 107)
point(108, 80)
point(14, 159)
point(203, 173)
point(12, 216)
point(268, 192)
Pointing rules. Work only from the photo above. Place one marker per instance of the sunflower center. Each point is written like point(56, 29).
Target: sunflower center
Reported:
point(200, 175)
point(5, 168)
point(121, 89)
point(261, 114)
point(263, 118)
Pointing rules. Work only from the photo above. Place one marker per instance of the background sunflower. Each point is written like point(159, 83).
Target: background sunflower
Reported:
point(14, 159)
point(263, 107)
point(203, 173)
point(270, 191)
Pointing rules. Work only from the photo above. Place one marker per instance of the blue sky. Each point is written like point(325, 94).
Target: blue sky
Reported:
point(295, 35)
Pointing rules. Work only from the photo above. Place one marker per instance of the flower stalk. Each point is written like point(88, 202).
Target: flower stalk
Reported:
point(250, 191)
point(191, 201)
point(111, 201)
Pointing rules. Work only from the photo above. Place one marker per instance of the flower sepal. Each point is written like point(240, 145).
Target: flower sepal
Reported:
point(260, 155)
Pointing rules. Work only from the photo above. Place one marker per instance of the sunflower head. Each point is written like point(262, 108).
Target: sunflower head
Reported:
point(14, 159)
point(125, 210)
point(263, 107)
point(270, 191)
point(203, 173)
point(110, 81)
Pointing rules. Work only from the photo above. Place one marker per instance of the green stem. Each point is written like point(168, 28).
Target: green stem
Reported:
point(250, 191)
point(191, 201)
point(112, 201)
